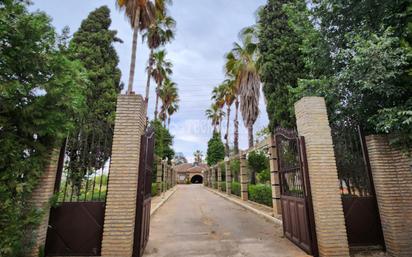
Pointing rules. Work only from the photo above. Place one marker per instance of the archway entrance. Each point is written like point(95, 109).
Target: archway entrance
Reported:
point(196, 179)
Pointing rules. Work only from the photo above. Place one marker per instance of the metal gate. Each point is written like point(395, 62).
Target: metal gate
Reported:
point(77, 216)
point(363, 225)
point(143, 200)
point(297, 210)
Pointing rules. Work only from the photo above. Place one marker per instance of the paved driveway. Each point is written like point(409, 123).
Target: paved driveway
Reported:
point(196, 222)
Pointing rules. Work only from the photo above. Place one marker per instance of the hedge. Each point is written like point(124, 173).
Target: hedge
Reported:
point(154, 189)
point(223, 186)
point(260, 193)
point(236, 188)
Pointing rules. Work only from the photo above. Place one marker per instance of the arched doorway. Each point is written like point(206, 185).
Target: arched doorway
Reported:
point(196, 179)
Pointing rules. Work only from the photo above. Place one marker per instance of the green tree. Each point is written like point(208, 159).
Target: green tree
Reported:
point(92, 44)
point(41, 90)
point(281, 62)
point(258, 162)
point(215, 150)
point(360, 62)
point(163, 142)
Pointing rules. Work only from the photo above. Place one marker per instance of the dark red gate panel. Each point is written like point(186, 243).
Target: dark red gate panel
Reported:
point(143, 200)
point(297, 211)
point(75, 229)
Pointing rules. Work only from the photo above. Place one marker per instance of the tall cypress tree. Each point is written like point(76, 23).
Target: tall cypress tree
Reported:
point(281, 62)
point(92, 44)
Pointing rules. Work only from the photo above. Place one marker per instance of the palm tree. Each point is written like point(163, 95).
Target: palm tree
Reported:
point(159, 33)
point(198, 156)
point(173, 108)
point(162, 69)
point(232, 71)
point(218, 97)
point(229, 94)
point(244, 58)
point(140, 14)
point(215, 114)
point(169, 96)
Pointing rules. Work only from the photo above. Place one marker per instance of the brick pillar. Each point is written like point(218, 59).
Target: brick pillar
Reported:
point(274, 176)
point(214, 177)
point(163, 176)
point(312, 123)
point(228, 177)
point(392, 176)
point(119, 219)
point(159, 175)
point(167, 179)
point(209, 177)
point(244, 178)
point(205, 178)
point(40, 198)
point(219, 177)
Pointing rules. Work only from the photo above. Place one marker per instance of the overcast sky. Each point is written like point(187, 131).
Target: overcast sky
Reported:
point(206, 30)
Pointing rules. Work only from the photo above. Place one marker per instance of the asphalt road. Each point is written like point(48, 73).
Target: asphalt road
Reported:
point(196, 222)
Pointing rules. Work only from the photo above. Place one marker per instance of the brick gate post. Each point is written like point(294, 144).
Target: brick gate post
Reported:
point(120, 214)
point(392, 177)
point(312, 123)
point(274, 176)
point(244, 177)
point(219, 178)
point(40, 198)
point(159, 174)
point(214, 177)
point(228, 177)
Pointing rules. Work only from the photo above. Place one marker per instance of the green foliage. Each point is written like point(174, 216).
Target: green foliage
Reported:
point(163, 142)
point(215, 150)
point(257, 162)
point(92, 44)
point(235, 169)
point(223, 186)
point(261, 193)
point(358, 57)
point(264, 176)
point(41, 90)
point(154, 189)
point(281, 62)
point(236, 188)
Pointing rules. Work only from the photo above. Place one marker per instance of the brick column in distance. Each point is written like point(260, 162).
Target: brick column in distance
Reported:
point(228, 177)
point(274, 176)
point(392, 177)
point(159, 175)
point(205, 177)
point(119, 222)
point(244, 180)
point(40, 198)
point(163, 176)
point(214, 177)
point(219, 177)
point(312, 123)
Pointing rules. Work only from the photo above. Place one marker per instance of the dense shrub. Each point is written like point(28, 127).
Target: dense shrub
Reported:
point(223, 186)
point(261, 193)
point(236, 188)
point(154, 189)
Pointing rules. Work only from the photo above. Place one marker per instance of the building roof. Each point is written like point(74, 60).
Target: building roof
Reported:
point(190, 167)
